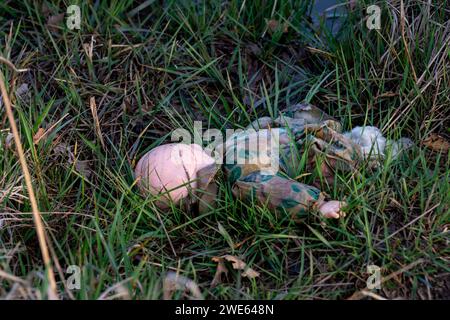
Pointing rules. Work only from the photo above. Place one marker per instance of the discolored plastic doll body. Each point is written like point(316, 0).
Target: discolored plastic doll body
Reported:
point(305, 138)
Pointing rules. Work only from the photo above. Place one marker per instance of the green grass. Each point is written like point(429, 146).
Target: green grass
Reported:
point(167, 64)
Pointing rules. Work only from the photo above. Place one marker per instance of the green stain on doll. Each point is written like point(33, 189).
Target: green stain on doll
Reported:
point(235, 174)
point(229, 166)
point(314, 193)
point(257, 177)
point(289, 203)
point(252, 177)
point(295, 187)
point(266, 177)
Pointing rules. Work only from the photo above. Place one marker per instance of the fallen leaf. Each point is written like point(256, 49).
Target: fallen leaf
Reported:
point(173, 282)
point(436, 143)
point(38, 135)
point(238, 264)
point(250, 273)
point(221, 269)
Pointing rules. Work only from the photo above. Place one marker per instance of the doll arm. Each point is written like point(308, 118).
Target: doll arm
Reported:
point(206, 188)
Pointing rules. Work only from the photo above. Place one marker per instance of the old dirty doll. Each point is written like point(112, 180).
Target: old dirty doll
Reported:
point(305, 138)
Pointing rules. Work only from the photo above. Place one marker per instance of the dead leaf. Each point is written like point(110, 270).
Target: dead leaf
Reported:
point(238, 264)
point(274, 26)
point(221, 269)
point(250, 273)
point(38, 135)
point(436, 143)
point(173, 281)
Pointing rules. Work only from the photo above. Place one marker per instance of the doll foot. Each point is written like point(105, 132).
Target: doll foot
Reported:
point(332, 209)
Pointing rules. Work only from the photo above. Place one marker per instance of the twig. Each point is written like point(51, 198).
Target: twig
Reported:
point(36, 215)
point(11, 65)
point(11, 277)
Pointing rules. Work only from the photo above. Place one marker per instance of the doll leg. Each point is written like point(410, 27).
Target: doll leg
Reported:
point(283, 193)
